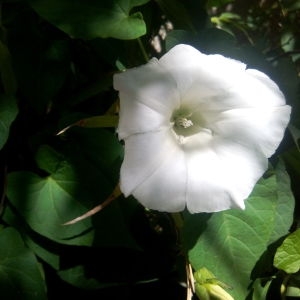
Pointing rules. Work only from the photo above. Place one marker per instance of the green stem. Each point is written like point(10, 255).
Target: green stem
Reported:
point(284, 285)
point(178, 220)
point(144, 53)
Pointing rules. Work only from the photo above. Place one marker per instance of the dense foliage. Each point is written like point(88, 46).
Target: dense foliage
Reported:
point(60, 155)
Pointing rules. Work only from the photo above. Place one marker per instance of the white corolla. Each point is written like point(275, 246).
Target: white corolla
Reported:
point(198, 130)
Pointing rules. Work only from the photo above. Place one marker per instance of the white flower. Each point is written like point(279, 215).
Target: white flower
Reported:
point(198, 130)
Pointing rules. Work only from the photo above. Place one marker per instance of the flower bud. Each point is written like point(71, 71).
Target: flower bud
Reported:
point(207, 287)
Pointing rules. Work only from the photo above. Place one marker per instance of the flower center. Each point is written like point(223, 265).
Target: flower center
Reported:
point(186, 123)
point(183, 122)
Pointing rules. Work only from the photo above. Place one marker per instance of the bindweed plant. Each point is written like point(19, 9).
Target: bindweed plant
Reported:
point(149, 149)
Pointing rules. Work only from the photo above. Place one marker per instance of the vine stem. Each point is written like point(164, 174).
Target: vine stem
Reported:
point(190, 288)
point(284, 286)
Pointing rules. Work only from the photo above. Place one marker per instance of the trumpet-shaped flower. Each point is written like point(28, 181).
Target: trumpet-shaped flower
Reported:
point(198, 130)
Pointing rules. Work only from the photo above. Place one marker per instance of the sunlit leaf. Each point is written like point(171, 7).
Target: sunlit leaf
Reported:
point(8, 112)
point(287, 257)
point(20, 276)
point(92, 18)
point(293, 292)
point(230, 243)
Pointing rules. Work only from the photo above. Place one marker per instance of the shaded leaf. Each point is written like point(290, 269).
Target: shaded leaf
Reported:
point(72, 188)
point(47, 202)
point(293, 286)
point(230, 243)
point(20, 277)
point(42, 251)
point(6, 71)
point(41, 64)
point(8, 112)
point(295, 132)
point(176, 37)
point(78, 277)
point(177, 12)
point(217, 3)
point(91, 19)
point(260, 289)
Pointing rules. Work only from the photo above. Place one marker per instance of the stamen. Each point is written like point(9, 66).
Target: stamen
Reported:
point(183, 122)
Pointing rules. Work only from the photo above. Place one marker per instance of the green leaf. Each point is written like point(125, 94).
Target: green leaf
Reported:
point(292, 160)
point(91, 18)
point(6, 71)
point(77, 276)
point(8, 112)
point(41, 61)
point(230, 243)
point(43, 252)
point(50, 257)
point(295, 132)
point(20, 276)
point(72, 188)
point(287, 257)
point(293, 291)
point(260, 289)
point(177, 12)
point(101, 148)
point(176, 37)
point(293, 285)
point(47, 202)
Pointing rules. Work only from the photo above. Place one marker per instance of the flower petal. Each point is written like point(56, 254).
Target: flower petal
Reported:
point(214, 82)
point(203, 79)
point(136, 117)
point(144, 153)
point(267, 92)
point(149, 86)
point(165, 189)
point(261, 128)
point(222, 176)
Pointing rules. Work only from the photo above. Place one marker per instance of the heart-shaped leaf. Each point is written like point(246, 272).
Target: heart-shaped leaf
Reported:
point(230, 243)
point(92, 18)
point(47, 202)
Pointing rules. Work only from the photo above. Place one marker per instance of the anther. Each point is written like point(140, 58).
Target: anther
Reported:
point(183, 122)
